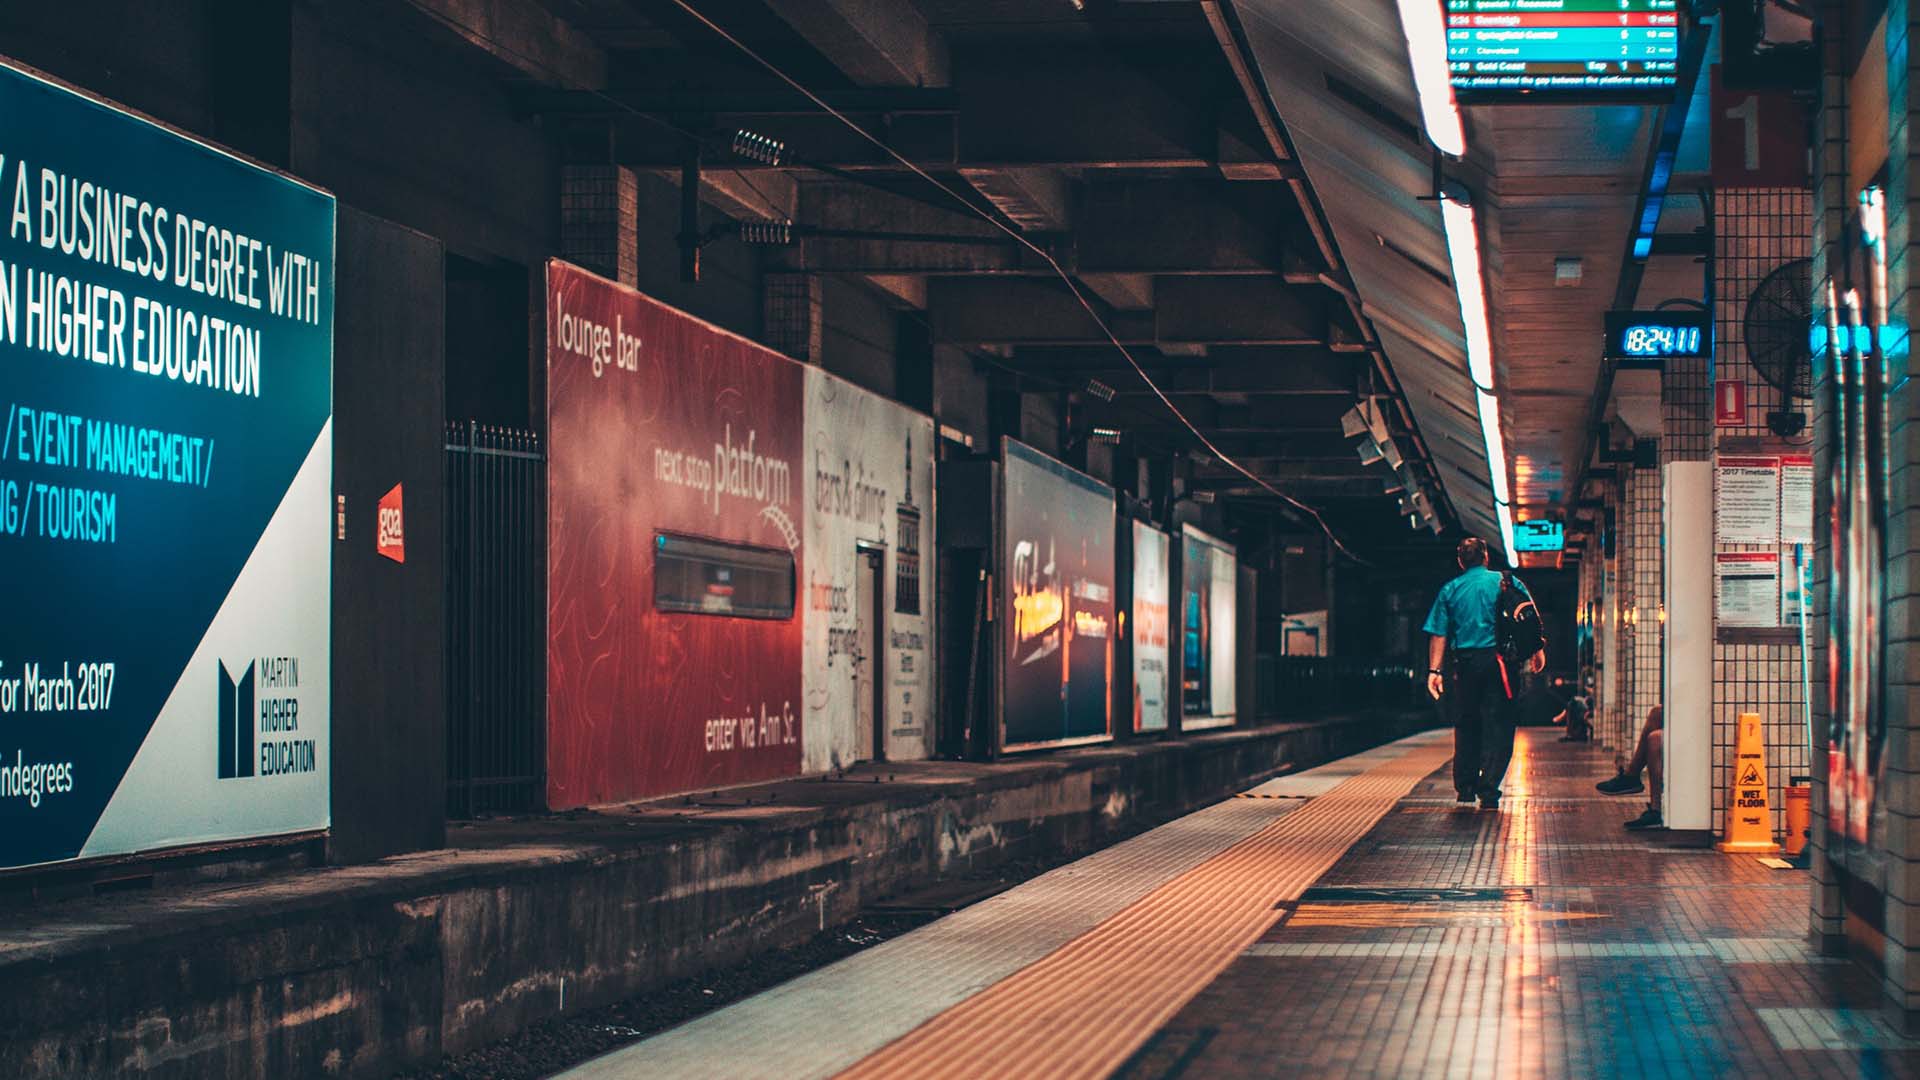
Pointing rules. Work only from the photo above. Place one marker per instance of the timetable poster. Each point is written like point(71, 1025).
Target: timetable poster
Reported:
point(1747, 500)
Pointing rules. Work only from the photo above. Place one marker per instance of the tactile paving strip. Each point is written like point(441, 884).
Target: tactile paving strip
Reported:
point(828, 1020)
point(1082, 1011)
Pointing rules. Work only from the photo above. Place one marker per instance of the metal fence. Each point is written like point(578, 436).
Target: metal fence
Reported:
point(1307, 686)
point(496, 539)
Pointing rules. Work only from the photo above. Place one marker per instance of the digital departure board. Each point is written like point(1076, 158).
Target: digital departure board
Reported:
point(1543, 50)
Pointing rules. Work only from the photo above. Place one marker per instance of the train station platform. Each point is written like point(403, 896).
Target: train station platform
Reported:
point(1346, 920)
point(363, 971)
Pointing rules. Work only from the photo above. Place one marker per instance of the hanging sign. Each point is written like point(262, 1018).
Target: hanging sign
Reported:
point(1747, 500)
point(1746, 588)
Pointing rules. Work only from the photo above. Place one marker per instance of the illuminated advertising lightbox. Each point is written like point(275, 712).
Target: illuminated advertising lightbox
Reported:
point(1152, 595)
point(166, 372)
point(1209, 580)
point(674, 549)
point(1653, 337)
point(1057, 637)
point(1556, 50)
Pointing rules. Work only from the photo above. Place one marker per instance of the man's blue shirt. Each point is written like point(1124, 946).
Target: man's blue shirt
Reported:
point(1465, 610)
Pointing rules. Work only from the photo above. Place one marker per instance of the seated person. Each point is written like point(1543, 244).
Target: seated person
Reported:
point(1645, 756)
point(1575, 717)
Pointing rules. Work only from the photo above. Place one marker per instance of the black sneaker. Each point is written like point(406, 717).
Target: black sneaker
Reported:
point(1621, 785)
point(1464, 798)
point(1489, 802)
point(1648, 819)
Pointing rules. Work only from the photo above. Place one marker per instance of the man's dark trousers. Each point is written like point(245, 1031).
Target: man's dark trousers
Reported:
point(1477, 697)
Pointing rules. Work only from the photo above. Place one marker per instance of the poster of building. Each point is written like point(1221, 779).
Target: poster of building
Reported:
point(1057, 552)
point(1152, 595)
point(1208, 583)
point(166, 370)
point(672, 446)
point(869, 481)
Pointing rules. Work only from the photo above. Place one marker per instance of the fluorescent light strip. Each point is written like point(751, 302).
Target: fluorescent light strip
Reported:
point(1427, 50)
point(1463, 248)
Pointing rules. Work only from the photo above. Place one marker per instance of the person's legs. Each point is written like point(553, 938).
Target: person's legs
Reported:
point(1656, 770)
point(1496, 739)
point(1462, 699)
point(1627, 782)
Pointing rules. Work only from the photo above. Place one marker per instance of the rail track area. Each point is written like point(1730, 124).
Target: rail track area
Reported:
point(1346, 920)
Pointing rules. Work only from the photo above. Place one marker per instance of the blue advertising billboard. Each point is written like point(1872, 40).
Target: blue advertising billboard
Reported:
point(166, 373)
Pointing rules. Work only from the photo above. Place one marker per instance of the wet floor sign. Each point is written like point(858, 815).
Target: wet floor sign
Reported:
point(1749, 821)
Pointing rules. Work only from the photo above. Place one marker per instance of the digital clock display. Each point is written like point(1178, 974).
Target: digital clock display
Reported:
point(1661, 341)
point(1654, 336)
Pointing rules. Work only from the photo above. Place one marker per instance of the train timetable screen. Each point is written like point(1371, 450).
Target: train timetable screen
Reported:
point(1542, 50)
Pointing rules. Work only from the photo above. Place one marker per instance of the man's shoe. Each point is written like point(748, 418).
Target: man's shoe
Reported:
point(1648, 819)
point(1464, 798)
point(1489, 802)
point(1621, 785)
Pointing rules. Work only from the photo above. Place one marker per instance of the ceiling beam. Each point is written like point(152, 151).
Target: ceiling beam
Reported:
point(1038, 311)
point(873, 42)
point(527, 38)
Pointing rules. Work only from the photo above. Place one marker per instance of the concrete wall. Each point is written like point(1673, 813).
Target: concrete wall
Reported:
point(368, 970)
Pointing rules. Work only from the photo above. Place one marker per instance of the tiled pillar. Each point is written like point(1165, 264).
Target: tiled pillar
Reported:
point(1628, 547)
point(1643, 504)
point(1827, 917)
point(1757, 230)
point(599, 208)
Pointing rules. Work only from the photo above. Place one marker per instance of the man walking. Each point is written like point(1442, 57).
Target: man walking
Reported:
point(1478, 688)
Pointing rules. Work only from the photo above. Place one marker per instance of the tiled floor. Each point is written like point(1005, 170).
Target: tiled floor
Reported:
point(1538, 940)
point(1587, 951)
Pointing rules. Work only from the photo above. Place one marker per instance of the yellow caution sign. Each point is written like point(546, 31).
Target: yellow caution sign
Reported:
point(1749, 821)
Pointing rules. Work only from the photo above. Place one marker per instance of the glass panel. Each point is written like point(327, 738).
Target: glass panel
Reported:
point(709, 577)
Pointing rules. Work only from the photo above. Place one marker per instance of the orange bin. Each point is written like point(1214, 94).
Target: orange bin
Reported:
point(1797, 801)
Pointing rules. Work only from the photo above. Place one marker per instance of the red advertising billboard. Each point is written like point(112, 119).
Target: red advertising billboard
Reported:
point(674, 549)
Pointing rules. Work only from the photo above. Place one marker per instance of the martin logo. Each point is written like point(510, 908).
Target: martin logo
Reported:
point(235, 726)
point(390, 537)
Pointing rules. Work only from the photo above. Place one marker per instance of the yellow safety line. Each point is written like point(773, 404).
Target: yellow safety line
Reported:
point(1085, 1008)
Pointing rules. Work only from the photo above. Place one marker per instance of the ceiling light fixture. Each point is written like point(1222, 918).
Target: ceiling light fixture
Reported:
point(1432, 76)
point(1463, 248)
point(754, 146)
point(1100, 390)
point(1106, 436)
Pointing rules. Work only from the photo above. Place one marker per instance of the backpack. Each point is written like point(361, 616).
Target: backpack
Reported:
point(1517, 630)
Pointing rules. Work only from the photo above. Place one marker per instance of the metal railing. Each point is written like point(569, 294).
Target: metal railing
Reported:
point(1301, 687)
point(496, 540)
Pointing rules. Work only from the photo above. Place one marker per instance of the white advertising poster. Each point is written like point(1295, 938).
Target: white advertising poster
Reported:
point(1152, 595)
point(868, 483)
point(1746, 505)
point(1796, 499)
point(1209, 579)
point(1746, 587)
point(1793, 588)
